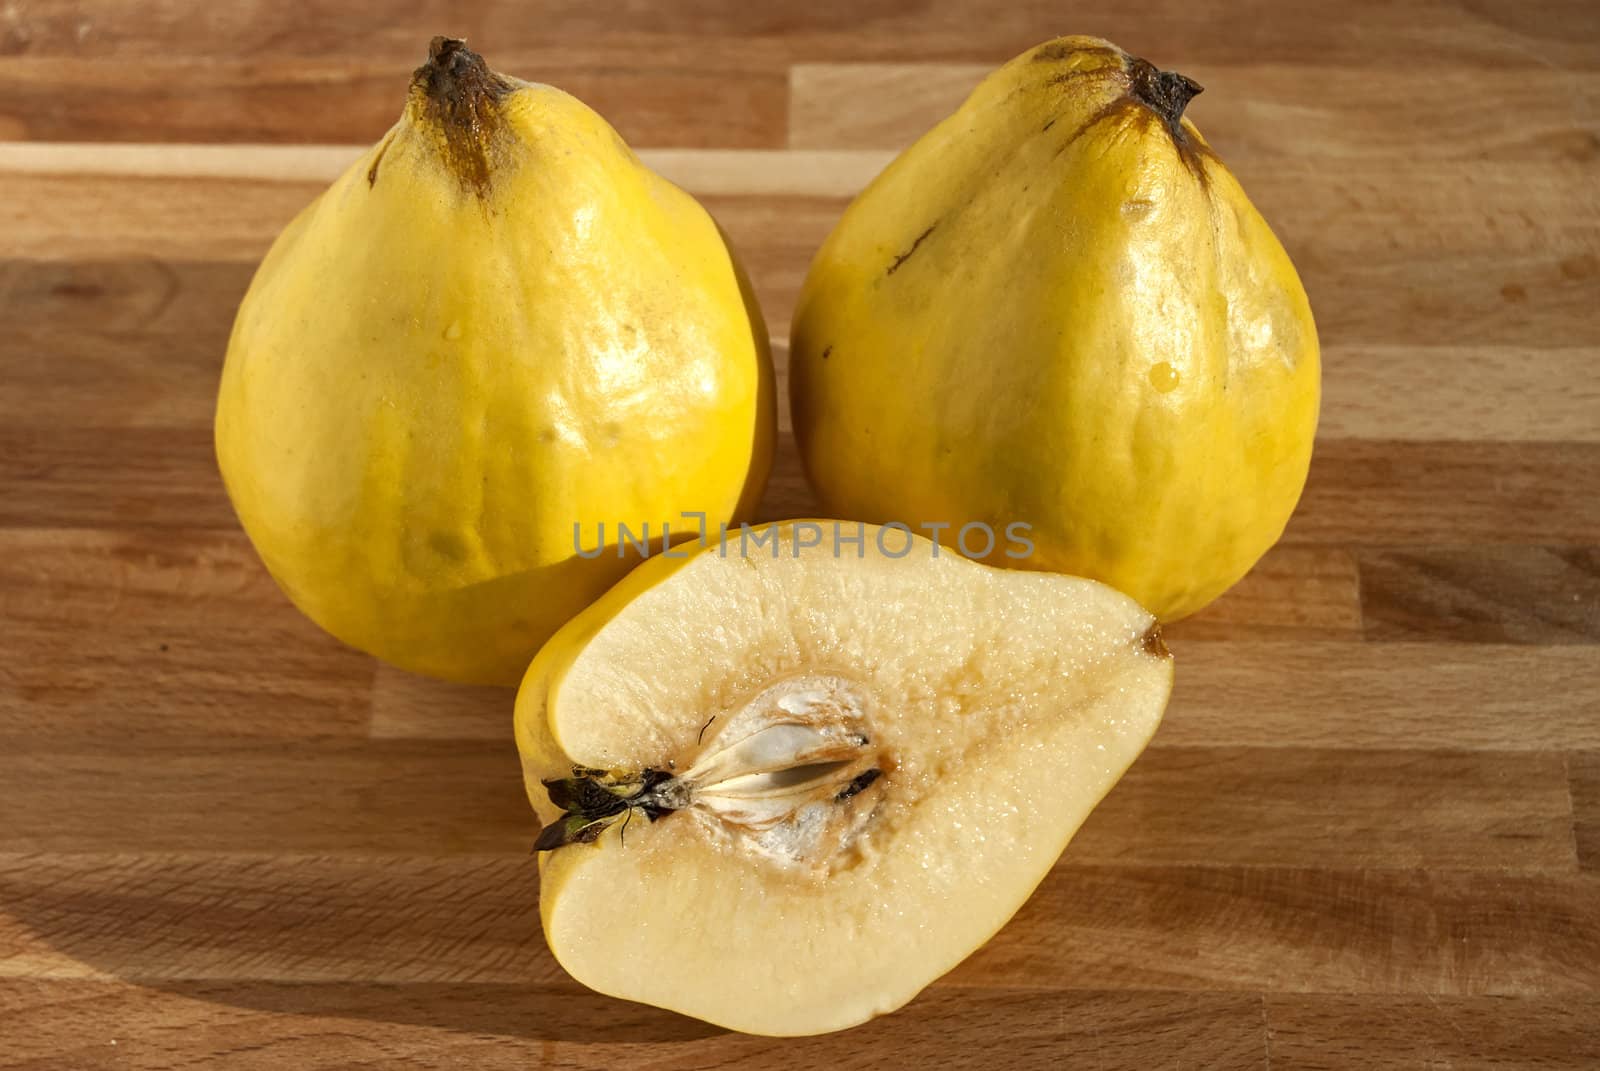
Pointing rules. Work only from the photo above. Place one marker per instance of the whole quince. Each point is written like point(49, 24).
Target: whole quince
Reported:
point(495, 339)
point(1059, 309)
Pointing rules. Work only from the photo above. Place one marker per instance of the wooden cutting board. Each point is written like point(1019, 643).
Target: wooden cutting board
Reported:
point(1368, 835)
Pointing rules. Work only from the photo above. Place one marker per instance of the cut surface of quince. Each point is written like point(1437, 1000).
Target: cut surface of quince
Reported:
point(786, 786)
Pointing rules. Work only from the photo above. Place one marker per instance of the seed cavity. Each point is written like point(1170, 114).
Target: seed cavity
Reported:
point(780, 777)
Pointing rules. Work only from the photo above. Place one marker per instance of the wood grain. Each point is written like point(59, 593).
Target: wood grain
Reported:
point(1584, 770)
point(1385, 695)
point(286, 917)
point(1482, 594)
point(354, 1025)
point(1423, 392)
point(82, 476)
point(1303, 930)
point(1434, 809)
point(221, 794)
point(135, 342)
point(158, 918)
point(721, 99)
point(1294, 593)
point(408, 707)
point(1183, 805)
point(1362, 33)
point(1395, 492)
point(1325, 1032)
point(128, 299)
point(1257, 110)
point(113, 636)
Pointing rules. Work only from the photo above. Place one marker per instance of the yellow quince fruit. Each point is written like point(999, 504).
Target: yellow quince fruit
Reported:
point(1059, 309)
point(492, 341)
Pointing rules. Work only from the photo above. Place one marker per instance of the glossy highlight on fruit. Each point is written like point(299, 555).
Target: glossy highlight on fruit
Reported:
point(496, 329)
point(1059, 308)
point(787, 785)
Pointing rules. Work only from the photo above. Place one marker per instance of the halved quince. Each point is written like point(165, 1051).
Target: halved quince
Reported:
point(787, 785)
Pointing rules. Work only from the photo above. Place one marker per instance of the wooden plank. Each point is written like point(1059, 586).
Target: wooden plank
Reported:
point(294, 164)
point(1584, 771)
point(222, 794)
point(1250, 110)
point(112, 636)
point(1302, 931)
point(126, 342)
point(1395, 493)
point(1524, 301)
point(49, 304)
point(1482, 594)
point(705, 171)
point(874, 105)
point(721, 99)
point(249, 914)
point(1294, 593)
point(1325, 1032)
point(776, 237)
point(472, 918)
point(64, 375)
point(1385, 695)
point(1336, 808)
point(1460, 393)
point(408, 707)
point(81, 476)
point(249, 1025)
point(1362, 33)
point(199, 219)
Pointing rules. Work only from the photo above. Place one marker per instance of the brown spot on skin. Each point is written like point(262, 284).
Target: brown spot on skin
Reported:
point(1514, 293)
point(372, 172)
point(459, 95)
point(827, 351)
point(903, 257)
point(1152, 644)
point(1072, 76)
point(1120, 106)
point(1053, 51)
